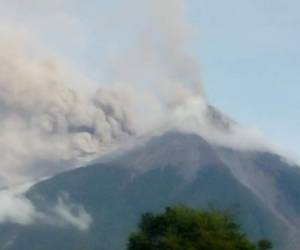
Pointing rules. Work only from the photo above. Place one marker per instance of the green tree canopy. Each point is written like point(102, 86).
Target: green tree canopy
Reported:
point(264, 245)
point(181, 228)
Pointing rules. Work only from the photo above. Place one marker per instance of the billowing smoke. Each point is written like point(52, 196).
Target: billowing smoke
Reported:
point(44, 123)
point(47, 125)
point(16, 208)
point(159, 56)
point(51, 117)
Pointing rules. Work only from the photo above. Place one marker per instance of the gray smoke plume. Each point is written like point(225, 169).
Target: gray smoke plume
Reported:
point(46, 126)
point(158, 56)
point(15, 208)
point(44, 123)
point(49, 123)
point(54, 117)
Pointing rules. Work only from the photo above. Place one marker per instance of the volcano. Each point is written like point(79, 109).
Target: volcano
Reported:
point(170, 168)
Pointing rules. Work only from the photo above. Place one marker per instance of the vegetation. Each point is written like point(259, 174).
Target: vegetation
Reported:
point(264, 245)
point(182, 228)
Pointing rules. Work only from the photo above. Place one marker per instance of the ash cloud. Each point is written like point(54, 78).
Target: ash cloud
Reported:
point(159, 57)
point(54, 117)
point(43, 122)
point(48, 124)
point(51, 117)
point(17, 208)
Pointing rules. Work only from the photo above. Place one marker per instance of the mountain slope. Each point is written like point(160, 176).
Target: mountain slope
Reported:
point(169, 169)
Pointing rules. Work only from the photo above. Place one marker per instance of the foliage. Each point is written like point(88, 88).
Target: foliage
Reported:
point(264, 245)
point(182, 228)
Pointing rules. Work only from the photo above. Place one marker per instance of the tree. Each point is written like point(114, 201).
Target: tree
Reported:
point(182, 228)
point(264, 245)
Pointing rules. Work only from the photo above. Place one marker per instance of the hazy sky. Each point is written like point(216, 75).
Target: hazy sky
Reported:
point(248, 51)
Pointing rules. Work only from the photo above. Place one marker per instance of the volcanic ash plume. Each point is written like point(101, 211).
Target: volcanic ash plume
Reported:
point(44, 123)
point(48, 125)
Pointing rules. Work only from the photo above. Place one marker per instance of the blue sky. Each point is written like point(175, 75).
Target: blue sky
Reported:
point(250, 59)
point(248, 52)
